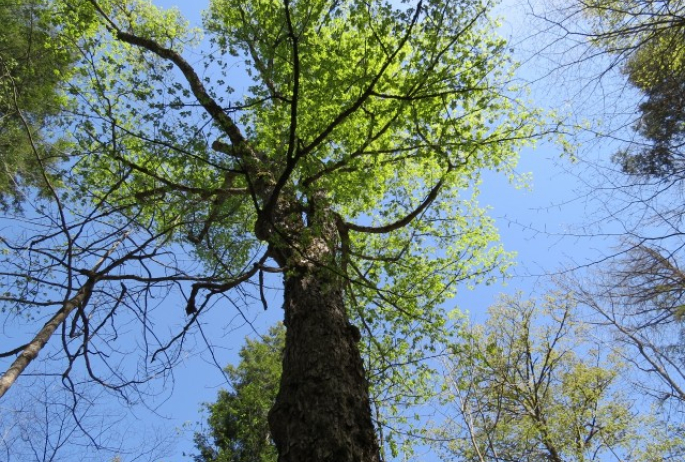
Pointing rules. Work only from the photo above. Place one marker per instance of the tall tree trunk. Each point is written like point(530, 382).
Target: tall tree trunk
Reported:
point(322, 412)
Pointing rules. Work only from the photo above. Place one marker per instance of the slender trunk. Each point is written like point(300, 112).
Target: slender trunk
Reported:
point(30, 351)
point(322, 411)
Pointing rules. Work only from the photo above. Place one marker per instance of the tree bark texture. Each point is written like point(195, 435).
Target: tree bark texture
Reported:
point(322, 412)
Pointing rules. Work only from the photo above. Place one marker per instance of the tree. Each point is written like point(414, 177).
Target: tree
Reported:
point(658, 72)
point(638, 292)
point(639, 297)
point(646, 35)
point(528, 386)
point(638, 42)
point(238, 425)
point(43, 422)
point(31, 70)
point(347, 168)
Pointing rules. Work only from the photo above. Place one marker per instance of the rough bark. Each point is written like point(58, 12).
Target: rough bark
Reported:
point(322, 411)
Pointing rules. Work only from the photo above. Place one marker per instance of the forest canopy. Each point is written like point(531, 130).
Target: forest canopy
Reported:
point(328, 152)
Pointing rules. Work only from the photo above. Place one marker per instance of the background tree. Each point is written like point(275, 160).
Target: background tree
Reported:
point(644, 37)
point(32, 69)
point(238, 426)
point(44, 422)
point(638, 289)
point(347, 168)
point(638, 297)
point(528, 386)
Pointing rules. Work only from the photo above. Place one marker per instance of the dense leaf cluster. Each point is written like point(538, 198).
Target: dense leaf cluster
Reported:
point(238, 426)
point(32, 70)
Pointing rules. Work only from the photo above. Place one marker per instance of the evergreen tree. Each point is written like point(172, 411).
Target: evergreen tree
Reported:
point(238, 424)
point(32, 69)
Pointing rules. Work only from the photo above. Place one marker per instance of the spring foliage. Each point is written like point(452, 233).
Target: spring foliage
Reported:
point(359, 128)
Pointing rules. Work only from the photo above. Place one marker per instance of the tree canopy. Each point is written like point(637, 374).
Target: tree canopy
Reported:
point(645, 39)
point(638, 290)
point(532, 385)
point(32, 68)
point(238, 428)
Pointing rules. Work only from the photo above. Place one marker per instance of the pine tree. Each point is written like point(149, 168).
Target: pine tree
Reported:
point(238, 420)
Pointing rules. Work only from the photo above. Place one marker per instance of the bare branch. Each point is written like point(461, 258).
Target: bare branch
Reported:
point(30, 352)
